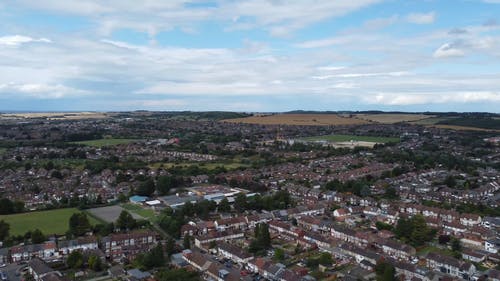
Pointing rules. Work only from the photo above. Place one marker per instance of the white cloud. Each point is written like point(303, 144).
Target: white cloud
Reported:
point(448, 50)
point(421, 18)
point(16, 40)
point(42, 91)
point(411, 98)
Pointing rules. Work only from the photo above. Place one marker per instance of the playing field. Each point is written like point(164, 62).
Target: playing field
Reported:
point(346, 138)
point(49, 222)
point(105, 142)
point(299, 119)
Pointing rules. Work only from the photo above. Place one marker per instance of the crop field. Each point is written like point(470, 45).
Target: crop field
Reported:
point(393, 118)
point(105, 142)
point(347, 138)
point(49, 222)
point(299, 119)
point(55, 115)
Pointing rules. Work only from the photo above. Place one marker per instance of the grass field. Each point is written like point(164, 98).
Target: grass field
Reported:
point(299, 119)
point(145, 213)
point(346, 138)
point(105, 142)
point(49, 222)
point(393, 118)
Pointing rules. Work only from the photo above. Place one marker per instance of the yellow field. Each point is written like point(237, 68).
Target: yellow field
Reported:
point(299, 119)
point(392, 118)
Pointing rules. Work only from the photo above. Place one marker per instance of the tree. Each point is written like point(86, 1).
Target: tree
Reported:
point(79, 224)
point(385, 271)
point(4, 230)
point(224, 206)
point(456, 246)
point(6, 206)
point(170, 246)
point(325, 259)
point(164, 184)
point(37, 236)
point(146, 188)
point(152, 259)
point(177, 275)
point(262, 239)
point(125, 221)
point(240, 202)
point(279, 254)
point(75, 260)
point(95, 263)
point(187, 242)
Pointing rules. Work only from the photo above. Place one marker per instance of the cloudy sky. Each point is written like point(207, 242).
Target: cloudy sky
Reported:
point(250, 55)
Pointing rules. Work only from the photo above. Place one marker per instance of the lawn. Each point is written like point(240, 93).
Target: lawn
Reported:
point(49, 222)
point(105, 142)
point(428, 249)
point(345, 138)
point(145, 213)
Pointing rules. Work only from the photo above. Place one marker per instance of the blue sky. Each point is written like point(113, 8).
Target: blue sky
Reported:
point(262, 55)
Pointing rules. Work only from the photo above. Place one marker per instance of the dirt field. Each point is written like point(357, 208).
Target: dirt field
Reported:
point(56, 115)
point(462, 128)
point(392, 118)
point(299, 119)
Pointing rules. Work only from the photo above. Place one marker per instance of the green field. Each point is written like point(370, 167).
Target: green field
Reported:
point(344, 138)
point(49, 222)
point(145, 213)
point(105, 142)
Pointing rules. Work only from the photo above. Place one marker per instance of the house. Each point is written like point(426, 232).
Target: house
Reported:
point(234, 253)
point(80, 244)
point(397, 249)
point(127, 245)
point(4, 255)
point(203, 240)
point(492, 245)
point(43, 251)
point(40, 269)
point(476, 256)
point(470, 219)
point(450, 265)
point(137, 275)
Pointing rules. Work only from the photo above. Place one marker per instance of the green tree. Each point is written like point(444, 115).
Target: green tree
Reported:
point(4, 230)
point(456, 246)
point(79, 224)
point(187, 242)
point(146, 188)
point(75, 260)
point(170, 246)
point(385, 271)
point(279, 254)
point(224, 206)
point(240, 202)
point(95, 263)
point(37, 236)
point(177, 275)
point(125, 221)
point(325, 259)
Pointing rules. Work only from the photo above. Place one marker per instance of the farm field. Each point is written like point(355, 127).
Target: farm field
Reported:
point(49, 222)
point(105, 142)
point(393, 118)
point(347, 138)
point(299, 119)
point(56, 115)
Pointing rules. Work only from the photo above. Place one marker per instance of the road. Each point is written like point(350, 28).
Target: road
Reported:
point(11, 270)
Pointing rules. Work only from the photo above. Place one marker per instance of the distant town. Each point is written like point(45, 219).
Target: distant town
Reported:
point(227, 196)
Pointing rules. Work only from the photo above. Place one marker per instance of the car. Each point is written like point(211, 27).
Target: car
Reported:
point(3, 276)
point(3, 265)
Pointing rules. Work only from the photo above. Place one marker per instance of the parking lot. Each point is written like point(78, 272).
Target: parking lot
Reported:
point(110, 213)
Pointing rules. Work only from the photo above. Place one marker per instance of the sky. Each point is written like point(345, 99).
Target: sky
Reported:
point(250, 55)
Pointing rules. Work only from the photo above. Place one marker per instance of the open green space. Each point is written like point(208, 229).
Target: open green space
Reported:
point(433, 249)
point(344, 138)
point(2, 150)
point(143, 212)
point(205, 165)
point(105, 142)
point(49, 222)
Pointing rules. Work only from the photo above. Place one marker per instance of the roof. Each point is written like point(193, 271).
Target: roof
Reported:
point(136, 273)
point(39, 267)
point(137, 198)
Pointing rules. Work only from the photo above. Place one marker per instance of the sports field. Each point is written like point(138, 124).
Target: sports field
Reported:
point(105, 142)
point(49, 222)
point(346, 138)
